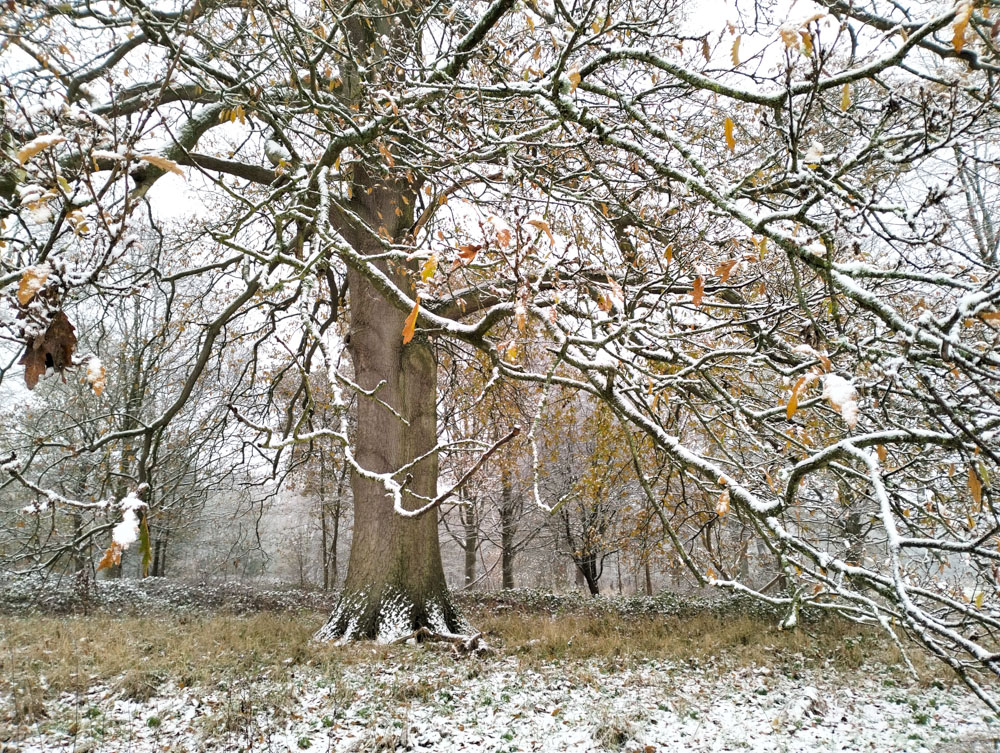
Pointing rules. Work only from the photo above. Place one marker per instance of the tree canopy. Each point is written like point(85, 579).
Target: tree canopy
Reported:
point(765, 239)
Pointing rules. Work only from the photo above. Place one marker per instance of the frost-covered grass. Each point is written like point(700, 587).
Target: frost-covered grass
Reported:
point(561, 678)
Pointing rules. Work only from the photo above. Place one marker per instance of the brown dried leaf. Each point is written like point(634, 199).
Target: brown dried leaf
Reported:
point(726, 268)
point(698, 290)
point(574, 80)
point(845, 98)
point(543, 226)
point(53, 349)
point(734, 53)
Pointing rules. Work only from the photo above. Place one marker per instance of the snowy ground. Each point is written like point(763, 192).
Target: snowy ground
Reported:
point(418, 699)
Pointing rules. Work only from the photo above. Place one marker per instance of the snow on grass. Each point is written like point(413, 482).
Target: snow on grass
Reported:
point(418, 699)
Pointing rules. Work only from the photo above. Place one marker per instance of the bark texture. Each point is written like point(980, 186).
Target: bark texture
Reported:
point(395, 581)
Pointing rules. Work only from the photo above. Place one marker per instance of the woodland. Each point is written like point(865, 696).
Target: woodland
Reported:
point(639, 296)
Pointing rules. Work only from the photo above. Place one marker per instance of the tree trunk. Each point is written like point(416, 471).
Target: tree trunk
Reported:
point(471, 542)
point(508, 529)
point(395, 581)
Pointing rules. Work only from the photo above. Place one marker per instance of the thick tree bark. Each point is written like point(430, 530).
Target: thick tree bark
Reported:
point(395, 581)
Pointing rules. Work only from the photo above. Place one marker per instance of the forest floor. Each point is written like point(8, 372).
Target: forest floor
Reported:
point(144, 667)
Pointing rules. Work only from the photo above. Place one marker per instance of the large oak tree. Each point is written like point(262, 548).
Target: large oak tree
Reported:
point(742, 234)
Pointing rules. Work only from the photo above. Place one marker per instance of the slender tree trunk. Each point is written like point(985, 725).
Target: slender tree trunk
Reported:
point(649, 578)
point(471, 542)
point(508, 529)
point(323, 549)
point(395, 580)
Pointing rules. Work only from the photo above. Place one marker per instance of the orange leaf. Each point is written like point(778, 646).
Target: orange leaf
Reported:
point(411, 323)
point(698, 291)
point(467, 253)
point(793, 401)
point(722, 506)
point(574, 80)
point(113, 556)
point(882, 453)
point(730, 138)
point(543, 226)
point(726, 268)
point(31, 282)
point(962, 16)
point(975, 487)
point(669, 253)
point(162, 162)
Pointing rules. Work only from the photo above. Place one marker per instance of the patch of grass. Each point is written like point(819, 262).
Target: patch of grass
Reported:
point(738, 640)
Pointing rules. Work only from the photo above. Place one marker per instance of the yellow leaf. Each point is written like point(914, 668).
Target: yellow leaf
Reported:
point(698, 290)
point(430, 266)
point(411, 323)
point(962, 15)
point(845, 98)
point(531, 22)
point(807, 43)
point(735, 52)
point(979, 599)
point(37, 146)
point(574, 80)
point(975, 487)
point(882, 453)
point(31, 282)
point(730, 139)
point(162, 162)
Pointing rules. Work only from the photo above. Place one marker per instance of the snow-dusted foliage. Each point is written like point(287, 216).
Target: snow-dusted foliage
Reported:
point(693, 218)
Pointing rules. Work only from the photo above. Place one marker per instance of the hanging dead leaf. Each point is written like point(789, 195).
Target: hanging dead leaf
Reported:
point(37, 146)
point(429, 268)
point(726, 268)
point(698, 290)
point(730, 138)
point(544, 227)
point(975, 487)
point(734, 53)
point(705, 49)
point(53, 349)
point(467, 253)
point(31, 282)
point(574, 80)
point(162, 162)
point(800, 386)
point(962, 15)
point(410, 325)
point(882, 453)
point(112, 557)
point(845, 98)
point(97, 376)
point(722, 506)
point(668, 254)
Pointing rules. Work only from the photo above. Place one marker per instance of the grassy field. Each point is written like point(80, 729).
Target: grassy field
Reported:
point(201, 679)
